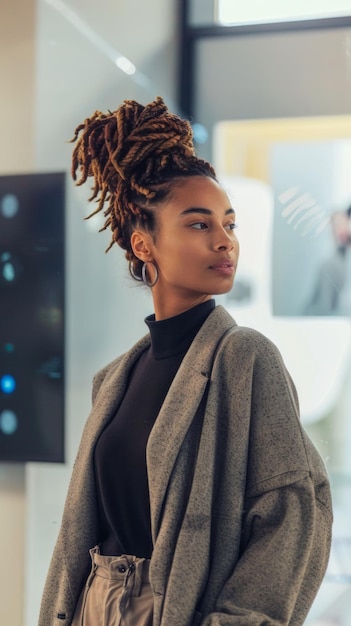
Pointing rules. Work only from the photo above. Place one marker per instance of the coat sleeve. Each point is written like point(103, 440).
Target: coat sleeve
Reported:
point(285, 551)
point(287, 517)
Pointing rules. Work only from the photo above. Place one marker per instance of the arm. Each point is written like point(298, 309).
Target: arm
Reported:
point(287, 516)
point(285, 550)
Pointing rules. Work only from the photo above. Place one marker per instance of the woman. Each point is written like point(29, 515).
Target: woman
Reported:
point(196, 490)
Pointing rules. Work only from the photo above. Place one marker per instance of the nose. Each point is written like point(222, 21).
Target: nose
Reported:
point(224, 241)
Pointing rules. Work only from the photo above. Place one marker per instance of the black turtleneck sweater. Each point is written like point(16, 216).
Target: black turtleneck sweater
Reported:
point(120, 453)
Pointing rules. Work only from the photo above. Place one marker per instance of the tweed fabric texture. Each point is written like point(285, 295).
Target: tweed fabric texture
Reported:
point(244, 540)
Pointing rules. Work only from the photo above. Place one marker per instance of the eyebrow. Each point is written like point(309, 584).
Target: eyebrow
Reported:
point(204, 211)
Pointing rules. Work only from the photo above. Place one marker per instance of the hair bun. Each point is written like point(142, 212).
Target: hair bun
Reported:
point(140, 132)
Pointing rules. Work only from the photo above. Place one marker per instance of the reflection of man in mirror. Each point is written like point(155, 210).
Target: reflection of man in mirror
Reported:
point(332, 294)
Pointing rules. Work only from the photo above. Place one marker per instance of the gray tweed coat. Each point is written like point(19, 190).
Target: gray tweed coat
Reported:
point(245, 539)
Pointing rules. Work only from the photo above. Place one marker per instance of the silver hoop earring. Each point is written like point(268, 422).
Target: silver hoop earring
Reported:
point(145, 278)
point(132, 272)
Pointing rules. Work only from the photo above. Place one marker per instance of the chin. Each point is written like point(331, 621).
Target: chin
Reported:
point(220, 292)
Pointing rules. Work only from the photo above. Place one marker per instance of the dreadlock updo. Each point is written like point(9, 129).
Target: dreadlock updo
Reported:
point(134, 155)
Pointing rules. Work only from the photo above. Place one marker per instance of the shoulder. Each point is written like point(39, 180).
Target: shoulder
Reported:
point(104, 372)
point(250, 344)
point(251, 359)
point(234, 343)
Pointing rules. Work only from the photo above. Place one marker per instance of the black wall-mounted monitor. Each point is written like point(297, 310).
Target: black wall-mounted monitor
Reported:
point(32, 317)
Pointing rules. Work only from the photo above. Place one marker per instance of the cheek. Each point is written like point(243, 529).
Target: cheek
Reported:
point(179, 258)
point(174, 248)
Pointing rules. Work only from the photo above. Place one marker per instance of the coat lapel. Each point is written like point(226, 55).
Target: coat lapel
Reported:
point(179, 409)
point(114, 385)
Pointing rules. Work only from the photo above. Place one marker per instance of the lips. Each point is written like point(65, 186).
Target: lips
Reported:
point(222, 265)
point(223, 268)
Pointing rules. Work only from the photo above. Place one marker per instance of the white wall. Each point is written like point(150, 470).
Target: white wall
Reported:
point(17, 50)
point(17, 79)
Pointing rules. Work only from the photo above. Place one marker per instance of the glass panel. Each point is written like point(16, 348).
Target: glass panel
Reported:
point(256, 11)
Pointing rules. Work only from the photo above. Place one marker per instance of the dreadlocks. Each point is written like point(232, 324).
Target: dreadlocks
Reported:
point(134, 154)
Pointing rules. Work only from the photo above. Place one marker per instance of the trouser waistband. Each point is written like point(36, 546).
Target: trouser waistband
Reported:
point(120, 568)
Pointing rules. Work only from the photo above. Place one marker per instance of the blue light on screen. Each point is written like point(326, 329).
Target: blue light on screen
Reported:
point(7, 383)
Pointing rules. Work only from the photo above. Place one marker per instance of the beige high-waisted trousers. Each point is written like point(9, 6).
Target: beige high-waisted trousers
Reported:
point(117, 592)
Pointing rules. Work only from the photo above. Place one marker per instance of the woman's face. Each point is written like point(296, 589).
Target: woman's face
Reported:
point(195, 247)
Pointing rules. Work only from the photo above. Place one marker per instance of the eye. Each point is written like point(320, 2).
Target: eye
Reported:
point(232, 226)
point(199, 225)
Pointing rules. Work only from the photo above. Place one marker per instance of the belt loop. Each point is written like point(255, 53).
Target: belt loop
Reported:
point(93, 551)
point(138, 577)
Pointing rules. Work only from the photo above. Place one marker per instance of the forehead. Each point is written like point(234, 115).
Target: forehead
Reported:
point(200, 191)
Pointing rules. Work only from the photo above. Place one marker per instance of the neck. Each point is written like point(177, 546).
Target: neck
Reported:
point(165, 309)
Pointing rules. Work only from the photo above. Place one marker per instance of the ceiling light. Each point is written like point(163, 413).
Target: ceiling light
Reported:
point(125, 65)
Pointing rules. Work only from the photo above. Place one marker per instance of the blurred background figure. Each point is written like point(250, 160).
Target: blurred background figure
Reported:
point(332, 293)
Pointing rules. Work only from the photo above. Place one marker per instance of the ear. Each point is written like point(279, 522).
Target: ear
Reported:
point(141, 243)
